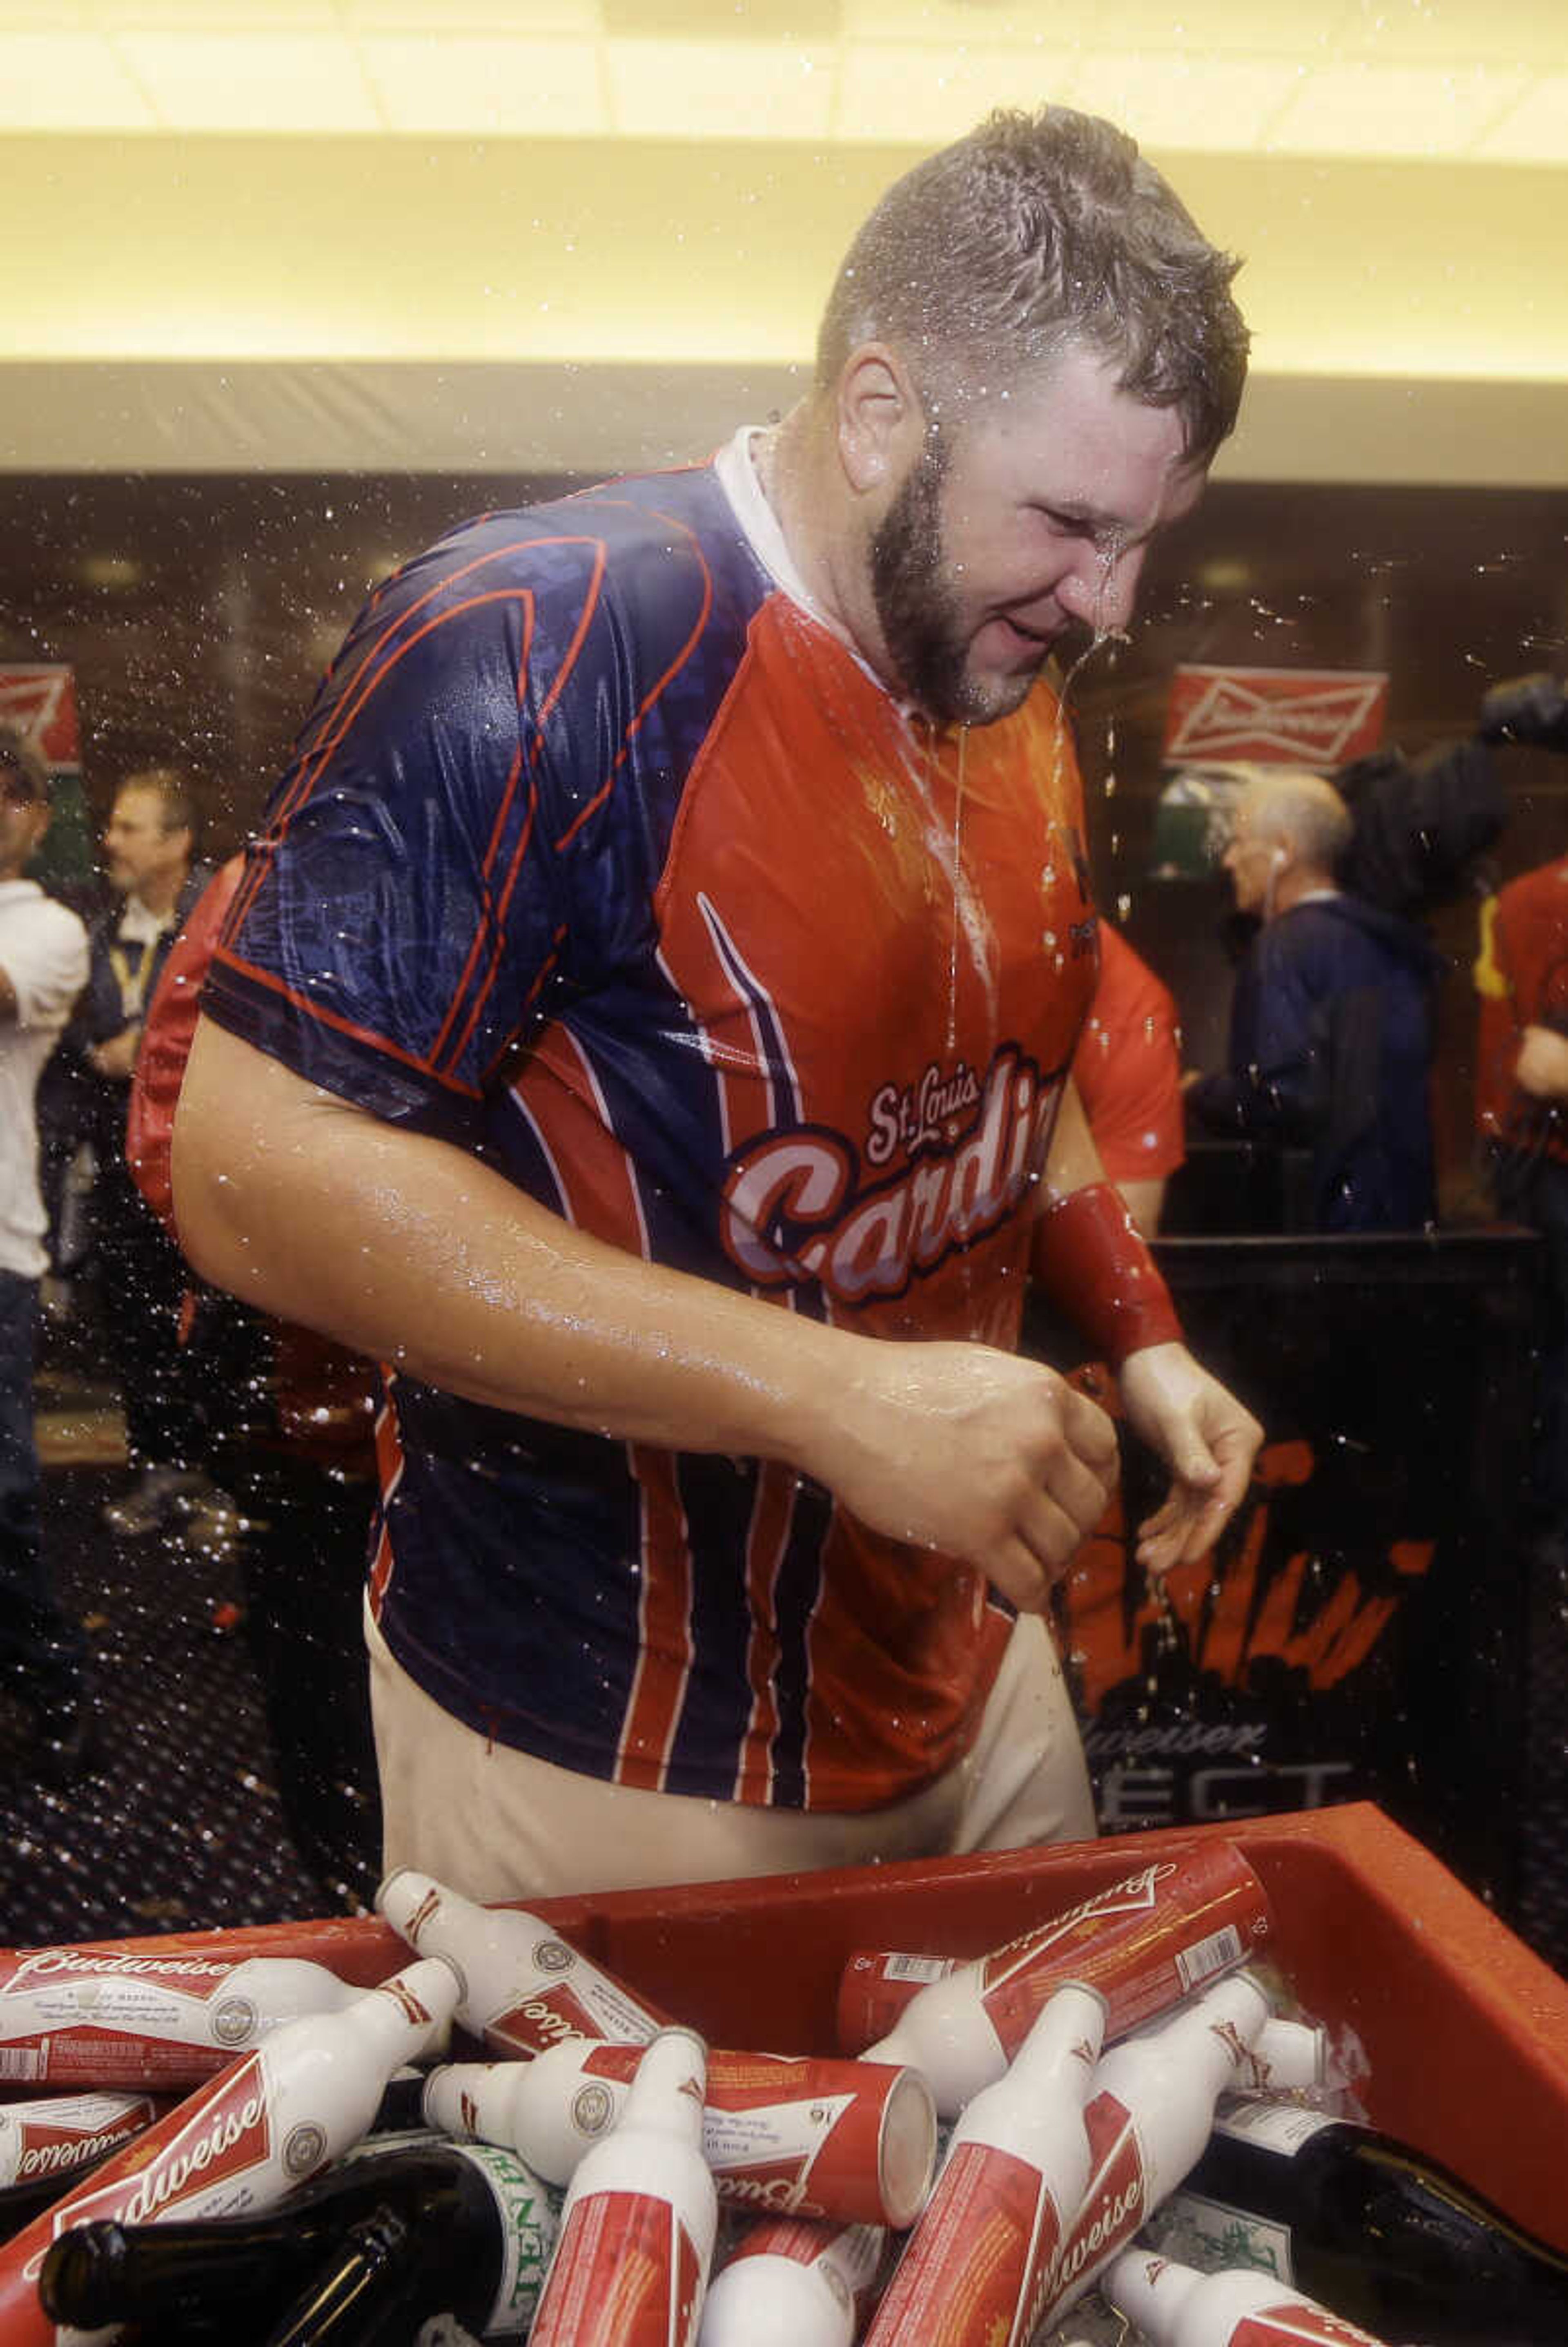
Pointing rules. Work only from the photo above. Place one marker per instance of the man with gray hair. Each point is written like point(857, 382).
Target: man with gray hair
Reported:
point(1331, 1022)
point(646, 1022)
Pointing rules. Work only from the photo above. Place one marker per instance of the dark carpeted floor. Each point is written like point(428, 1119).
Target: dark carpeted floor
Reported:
point(183, 1828)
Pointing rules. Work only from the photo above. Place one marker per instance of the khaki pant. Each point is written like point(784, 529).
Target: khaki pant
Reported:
point(496, 1823)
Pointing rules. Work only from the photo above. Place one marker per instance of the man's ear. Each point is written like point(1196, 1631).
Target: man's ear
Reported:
point(881, 425)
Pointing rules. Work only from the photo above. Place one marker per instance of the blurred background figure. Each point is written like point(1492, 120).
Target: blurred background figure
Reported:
point(292, 1438)
point(43, 969)
point(1521, 1104)
point(1331, 1022)
point(148, 858)
point(1128, 1069)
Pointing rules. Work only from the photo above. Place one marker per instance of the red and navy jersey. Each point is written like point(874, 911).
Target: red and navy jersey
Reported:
point(1522, 976)
point(603, 856)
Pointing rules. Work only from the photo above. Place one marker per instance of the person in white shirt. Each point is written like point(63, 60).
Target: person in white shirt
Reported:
point(43, 969)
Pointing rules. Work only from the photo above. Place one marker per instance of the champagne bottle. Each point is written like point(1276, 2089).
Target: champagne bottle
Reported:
point(980, 2264)
point(524, 1987)
point(1376, 2230)
point(639, 2217)
point(853, 2142)
point(1173, 2306)
point(792, 2283)
point(272, 2120)
point(1144, 1943)
point(451, 2228)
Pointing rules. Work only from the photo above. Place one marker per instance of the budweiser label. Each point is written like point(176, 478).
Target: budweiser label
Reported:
point(1114, 2205)
point(980, 2263)
point(202, 2169)
point(790, 2137)
point(94, 2018)
point(627, 2274)
point(68, 2131)
point(548, 2015)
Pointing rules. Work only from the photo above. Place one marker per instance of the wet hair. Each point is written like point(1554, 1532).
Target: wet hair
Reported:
point(1036, 233)
point(1308, 807)
point(173, 790)
point(20, 760)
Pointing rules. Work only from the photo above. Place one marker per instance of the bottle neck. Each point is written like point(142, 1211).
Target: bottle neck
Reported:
point(671, 2086)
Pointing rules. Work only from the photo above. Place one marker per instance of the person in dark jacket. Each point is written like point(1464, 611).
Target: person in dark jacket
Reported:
point(1331, 1022)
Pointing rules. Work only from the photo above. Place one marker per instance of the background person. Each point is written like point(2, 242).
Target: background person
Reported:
point(1331, 1020)
point(43, 969)
point(634, 1027)
point(149, 857)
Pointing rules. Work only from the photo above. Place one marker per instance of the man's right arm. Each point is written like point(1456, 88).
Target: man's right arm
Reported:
point(406, 1248)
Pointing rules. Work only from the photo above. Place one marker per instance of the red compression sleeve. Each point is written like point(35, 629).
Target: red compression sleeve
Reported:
point(1093, 1263)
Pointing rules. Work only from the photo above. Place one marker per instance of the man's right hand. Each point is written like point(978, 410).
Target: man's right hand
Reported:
point(981, 1454)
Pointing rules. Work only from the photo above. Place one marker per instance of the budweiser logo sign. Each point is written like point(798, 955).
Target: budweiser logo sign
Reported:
point(1299, 717)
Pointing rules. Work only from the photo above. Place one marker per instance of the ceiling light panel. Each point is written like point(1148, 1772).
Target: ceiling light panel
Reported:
point(713, 89)
point(113, 17)
point(1536, 130)
point(251, 81)
point(1454, 32)
point(67, 81)
point(1202, 103)
point(1405, 112)
point(483, 86)
point(519, 19)
point(922, 93)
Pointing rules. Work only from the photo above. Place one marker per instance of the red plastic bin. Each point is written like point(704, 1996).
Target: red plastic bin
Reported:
point(1466, 2032)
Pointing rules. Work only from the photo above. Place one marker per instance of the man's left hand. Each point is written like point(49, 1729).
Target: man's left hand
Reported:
point(1206, 1439)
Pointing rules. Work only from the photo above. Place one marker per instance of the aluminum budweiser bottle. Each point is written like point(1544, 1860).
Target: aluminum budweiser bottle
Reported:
point(1145, 1943)
point(792, 2283)
point(851, 2141)
point(523, 1988)
point(86, 2017)
point(46, 2144)
point(980, 2265)
point(1176, 2306)
point(273, 2119)
point(631, 2265)
point(1150, 2109)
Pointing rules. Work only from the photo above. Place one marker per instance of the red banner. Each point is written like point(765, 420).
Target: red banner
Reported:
point(40, 701)
point(1318, 718)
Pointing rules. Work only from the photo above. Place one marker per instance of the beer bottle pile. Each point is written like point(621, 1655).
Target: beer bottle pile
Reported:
point(1105, 2113)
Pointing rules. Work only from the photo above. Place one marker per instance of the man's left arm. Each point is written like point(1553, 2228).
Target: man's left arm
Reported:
point(1089, 1257)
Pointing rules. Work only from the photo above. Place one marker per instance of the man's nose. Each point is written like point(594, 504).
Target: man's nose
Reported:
point(1102, 588)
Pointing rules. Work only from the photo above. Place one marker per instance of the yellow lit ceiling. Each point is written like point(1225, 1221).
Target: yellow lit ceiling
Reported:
point(489, 229)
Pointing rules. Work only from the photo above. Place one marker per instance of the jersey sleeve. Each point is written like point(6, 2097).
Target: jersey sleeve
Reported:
point(1127, 1067)
point(405, 908)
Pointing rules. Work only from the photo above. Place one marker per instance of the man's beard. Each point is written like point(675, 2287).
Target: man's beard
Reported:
point(919, 612)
